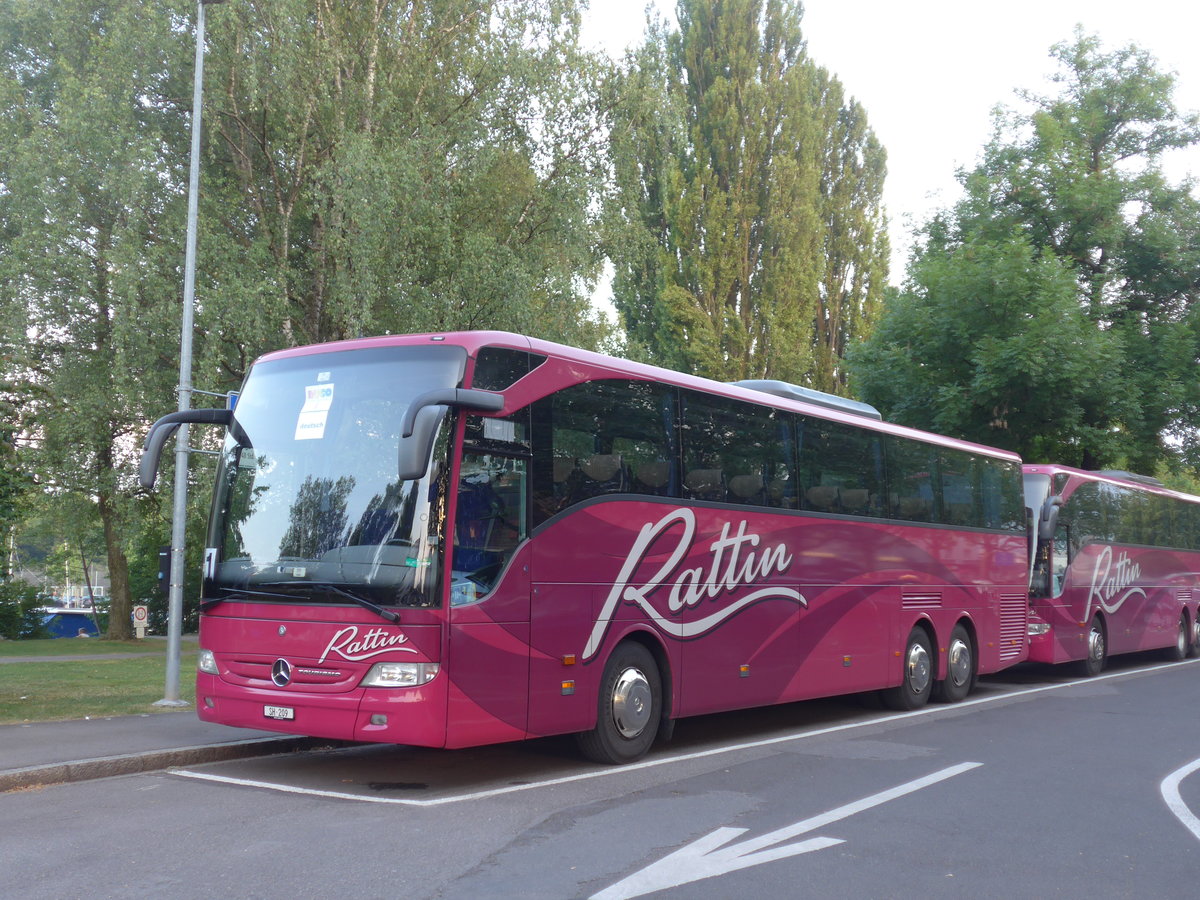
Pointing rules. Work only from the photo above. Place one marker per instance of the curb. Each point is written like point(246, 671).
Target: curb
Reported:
point(149, 761)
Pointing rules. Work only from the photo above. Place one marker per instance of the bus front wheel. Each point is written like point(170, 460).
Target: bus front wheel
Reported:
point(917, 684)
point(628, 710)
point(1097, 650)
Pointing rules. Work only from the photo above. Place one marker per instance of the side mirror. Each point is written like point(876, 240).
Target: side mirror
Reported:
point(162, 430)
point(425, 414)
point(1048, 519)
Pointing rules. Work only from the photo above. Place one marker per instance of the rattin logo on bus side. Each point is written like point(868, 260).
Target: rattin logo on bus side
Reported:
point(735, 564)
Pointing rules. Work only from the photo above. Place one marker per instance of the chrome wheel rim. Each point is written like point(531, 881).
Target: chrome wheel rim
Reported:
point(1181, 639)
point(632, 703)
point(1096, 643)
point(919, 670)
point(959, 662)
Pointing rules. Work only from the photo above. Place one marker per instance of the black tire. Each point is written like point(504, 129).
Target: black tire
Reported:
point(961, 668)
point(1183, 640)
point(629, 707)
point(1097, 650)
point(914, 690)
point(1195, 648)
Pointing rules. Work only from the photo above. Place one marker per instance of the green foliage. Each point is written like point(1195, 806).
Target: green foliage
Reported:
point(746, 227)
point(1018, 365)
point(376, 168)
point(1053, 309)
point(19, 617)
point(368, 168)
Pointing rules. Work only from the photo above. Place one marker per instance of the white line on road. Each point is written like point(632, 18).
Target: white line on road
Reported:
point(1170, 793)
point(624, 771)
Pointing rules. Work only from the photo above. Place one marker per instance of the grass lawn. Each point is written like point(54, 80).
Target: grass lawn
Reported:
point(77, 689)
point(78, 646)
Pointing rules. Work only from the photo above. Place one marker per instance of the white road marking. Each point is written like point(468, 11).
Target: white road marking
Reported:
point(623, 771)
point(1170, 793)
point(709, 856)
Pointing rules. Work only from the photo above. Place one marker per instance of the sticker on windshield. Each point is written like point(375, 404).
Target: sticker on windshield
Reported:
point(310, 425)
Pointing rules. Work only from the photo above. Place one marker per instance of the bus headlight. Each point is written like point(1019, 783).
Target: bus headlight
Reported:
point(397, 674)
point(207, 662)
point(1037, 628)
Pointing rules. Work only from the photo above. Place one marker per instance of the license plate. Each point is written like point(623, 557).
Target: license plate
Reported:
point(279, 712)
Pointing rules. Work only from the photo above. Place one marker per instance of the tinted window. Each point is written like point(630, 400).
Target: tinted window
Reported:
point(961, 489)
point(914, 489)
point(840, 468)
point(603, 437)
point(498, 368)
point(735, 452)
point(1002, 500)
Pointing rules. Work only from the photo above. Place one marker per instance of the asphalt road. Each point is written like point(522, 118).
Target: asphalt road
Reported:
point(1038, 786)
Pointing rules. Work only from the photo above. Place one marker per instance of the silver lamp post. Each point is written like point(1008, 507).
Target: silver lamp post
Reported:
point(179, 509)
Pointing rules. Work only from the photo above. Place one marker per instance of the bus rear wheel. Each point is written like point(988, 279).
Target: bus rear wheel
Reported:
point(628, 710)
point(960, 668)
point(917, 684)
point(1097, 650)
point(1183, 640)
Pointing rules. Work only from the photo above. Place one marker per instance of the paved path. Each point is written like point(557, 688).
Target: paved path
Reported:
point(38, 753)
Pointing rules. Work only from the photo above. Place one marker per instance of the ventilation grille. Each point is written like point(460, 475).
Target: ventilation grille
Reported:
point(921, 599)
point(1013, 625)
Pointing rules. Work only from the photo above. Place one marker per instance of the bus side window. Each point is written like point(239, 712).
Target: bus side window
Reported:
point(602, 438)
point(736, 453)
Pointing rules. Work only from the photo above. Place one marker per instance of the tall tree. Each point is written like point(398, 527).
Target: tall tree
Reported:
point(1075, 181)
point(401, 166)
point(369, 168)
point(88, 267)
point(745, 229)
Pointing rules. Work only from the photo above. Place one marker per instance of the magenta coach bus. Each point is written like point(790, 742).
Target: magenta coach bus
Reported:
point(456, 539)
point(1116, 567)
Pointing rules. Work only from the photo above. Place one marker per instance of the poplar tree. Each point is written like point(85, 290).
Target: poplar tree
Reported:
point(745, 229)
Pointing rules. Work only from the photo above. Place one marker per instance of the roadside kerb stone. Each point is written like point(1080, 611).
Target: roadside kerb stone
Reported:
point(150, 761)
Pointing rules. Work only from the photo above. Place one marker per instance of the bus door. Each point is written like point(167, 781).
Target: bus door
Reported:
point(488, 651)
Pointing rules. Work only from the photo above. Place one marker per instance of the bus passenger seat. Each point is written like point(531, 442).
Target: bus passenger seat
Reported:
point(855, 500)
point(782, 493)
point(563, 467)
point(652, 477)
point(603, 473)
point(705, 484)
point(823, 497)
point(746, 488)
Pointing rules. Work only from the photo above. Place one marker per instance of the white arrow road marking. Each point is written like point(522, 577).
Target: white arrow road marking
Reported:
point(708, 856)
point(1170, 792)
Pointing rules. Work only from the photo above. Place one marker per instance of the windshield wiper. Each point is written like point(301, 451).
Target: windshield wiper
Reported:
point(327, 586)
point(210, 602)
point(335, 589)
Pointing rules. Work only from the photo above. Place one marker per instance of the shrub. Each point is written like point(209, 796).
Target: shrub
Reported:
point(20, 616)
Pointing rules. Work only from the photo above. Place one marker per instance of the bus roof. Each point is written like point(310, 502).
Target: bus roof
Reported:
point(1111, 476)
point(588, 365)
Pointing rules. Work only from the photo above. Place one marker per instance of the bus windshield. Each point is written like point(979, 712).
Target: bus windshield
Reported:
point(308, 504)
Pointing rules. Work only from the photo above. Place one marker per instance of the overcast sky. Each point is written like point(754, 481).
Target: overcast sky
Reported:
point(929, 72)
